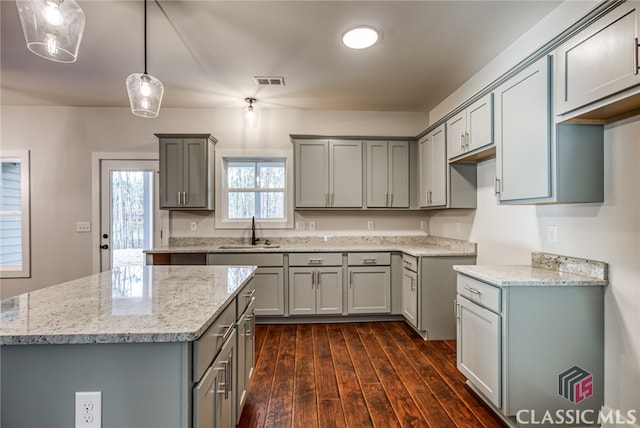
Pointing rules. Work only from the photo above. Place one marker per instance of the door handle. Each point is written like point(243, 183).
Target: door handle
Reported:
point(104, 247)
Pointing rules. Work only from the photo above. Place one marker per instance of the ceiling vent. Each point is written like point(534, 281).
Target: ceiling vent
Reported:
point(269, 80)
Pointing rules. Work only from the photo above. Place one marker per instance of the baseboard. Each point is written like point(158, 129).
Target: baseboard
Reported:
point(326, 319)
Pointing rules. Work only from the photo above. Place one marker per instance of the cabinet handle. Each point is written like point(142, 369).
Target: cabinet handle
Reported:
point(351, 279)
point(223, 384)
point(230, 372)
point(413, 284)
point(430, 198)
point(391, 199)
point(249, 294)
point(318, 279)
point(456, 309)
point(497, 186)
point(472, 290)
point(466, 140)
point(462, 141)
point(178, 198)
point(635, 49)
point(227, 333)
point(315, 261)
point(369, 261)
point(184, 198)
point(326, 199)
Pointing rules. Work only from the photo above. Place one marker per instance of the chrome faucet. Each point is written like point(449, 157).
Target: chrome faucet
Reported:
point(254, 240)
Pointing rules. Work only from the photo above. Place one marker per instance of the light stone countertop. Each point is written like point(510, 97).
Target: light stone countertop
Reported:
point(418, 246)
point(138, 304)
point(545, 270)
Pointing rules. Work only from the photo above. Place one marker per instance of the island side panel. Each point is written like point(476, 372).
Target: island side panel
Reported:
point(143, 384)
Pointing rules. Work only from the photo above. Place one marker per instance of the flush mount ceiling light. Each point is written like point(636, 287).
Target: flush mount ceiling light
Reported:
point(250, 114)
point(361, 37)
point(145, 91)
point(52, 28)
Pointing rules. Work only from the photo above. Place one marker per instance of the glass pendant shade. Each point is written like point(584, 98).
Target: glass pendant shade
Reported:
point(145, 94)
point(250, 114)
point(52, 28)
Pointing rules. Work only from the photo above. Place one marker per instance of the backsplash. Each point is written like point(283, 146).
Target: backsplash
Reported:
point(585, 267)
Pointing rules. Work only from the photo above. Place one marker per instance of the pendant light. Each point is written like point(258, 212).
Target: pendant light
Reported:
point(145, 91)
point(250, 114)
point(52, 28)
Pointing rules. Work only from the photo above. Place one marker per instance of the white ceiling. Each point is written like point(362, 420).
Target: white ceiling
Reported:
point(206, 52)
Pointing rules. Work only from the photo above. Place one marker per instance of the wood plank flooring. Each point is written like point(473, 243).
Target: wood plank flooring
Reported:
point(358, 375)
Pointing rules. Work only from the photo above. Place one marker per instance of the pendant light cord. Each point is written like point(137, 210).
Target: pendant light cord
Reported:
point(145, 36)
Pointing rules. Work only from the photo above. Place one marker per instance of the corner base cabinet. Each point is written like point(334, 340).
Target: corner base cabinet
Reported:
point(529, 350)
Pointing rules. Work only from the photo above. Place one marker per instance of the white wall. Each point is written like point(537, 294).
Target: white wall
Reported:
point(609, 231)
point(61, 140)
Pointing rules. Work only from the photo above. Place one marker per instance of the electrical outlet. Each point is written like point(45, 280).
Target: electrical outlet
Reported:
point(371, 225)
point(552, 233)
point(83, 226)
point(311, 225)
point(88, 409)
point(299, 225)
point(423, 225)
point(194, 225)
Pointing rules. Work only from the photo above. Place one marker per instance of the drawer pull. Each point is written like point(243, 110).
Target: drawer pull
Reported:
point(249, 294)
point(371, 261)
point(315, 261)
point(227, 333)
point(472, 290)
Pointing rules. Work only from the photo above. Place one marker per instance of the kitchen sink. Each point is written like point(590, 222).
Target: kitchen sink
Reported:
point(246, 247)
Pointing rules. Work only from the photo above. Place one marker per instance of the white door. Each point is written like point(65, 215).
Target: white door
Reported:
point(130, 219)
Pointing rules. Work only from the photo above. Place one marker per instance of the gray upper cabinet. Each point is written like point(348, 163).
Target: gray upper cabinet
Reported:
point(328, 173)
point(432, 151)
point(535, 161)
point(387, 170)
point(186, 171)
point(471, 129)
point(599, 61)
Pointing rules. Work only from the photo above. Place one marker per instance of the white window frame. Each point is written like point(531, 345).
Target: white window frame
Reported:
point(24, 270)
point(222, 220)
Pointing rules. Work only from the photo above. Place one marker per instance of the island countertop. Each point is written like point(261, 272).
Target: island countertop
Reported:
point(125, 305)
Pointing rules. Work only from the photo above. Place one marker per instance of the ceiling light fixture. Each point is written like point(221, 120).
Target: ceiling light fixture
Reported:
point(52, 28)
point(361, 37)
point(250, 114)
point(145, 91)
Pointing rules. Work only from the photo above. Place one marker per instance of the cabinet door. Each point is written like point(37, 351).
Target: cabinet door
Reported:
point(171, 172)
point(269, 291)
point(312, 173)
point(241, 351)
point(479, 348)
point(398, 174)
point(599, 61)
point(480, 123)
point(438, 166)
point(329, 290)
point(225, 365)
point(345, 172)
point(204, 399)
point(377, 173)
point(369, 290)
point(424, 171)
point(523, 138)
point(195, 173)
point(456, 134)
point(410, 296)
point(302, 283)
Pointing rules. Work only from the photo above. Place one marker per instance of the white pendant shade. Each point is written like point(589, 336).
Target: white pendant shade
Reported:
point(145, 94)
point(52, 28)
point(250, 114)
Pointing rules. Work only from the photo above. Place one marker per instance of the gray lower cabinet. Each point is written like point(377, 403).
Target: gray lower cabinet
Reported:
point(517, 344)
point(214, 396)
point(245, 331)
point(537, 162)
point(268, 278)
point(410, 289)
point(186, 171)
point(369, 283)
point(315, 291)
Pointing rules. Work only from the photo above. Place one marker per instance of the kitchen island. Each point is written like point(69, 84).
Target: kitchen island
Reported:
point(142, 335)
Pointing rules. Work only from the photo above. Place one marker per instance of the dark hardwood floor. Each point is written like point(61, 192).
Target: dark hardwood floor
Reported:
point(358, 375)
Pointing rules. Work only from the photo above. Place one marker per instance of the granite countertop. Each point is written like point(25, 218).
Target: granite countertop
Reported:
point(128, 304)
point(428, 246)
point(545, 270)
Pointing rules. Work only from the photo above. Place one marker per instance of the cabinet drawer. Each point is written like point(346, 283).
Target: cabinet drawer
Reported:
point(480, 292)
point(410, 262)
point(369, 259)
point(315, 259)
point(253, 259)
point(246, 296)
point(207, 346)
